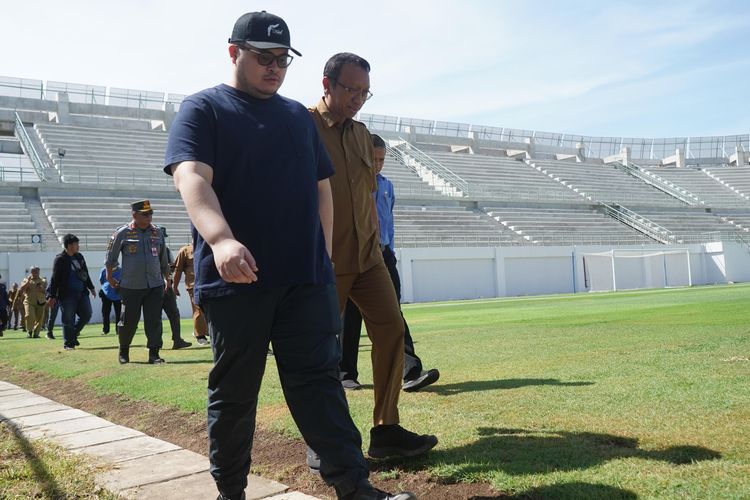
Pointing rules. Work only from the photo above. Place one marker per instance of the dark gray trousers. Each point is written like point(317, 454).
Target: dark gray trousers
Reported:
point(148, 299)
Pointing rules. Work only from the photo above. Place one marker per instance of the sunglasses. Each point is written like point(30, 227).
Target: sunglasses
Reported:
point(266, 58)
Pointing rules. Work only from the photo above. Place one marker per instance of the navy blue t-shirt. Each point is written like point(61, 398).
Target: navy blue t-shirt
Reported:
point(267, 159)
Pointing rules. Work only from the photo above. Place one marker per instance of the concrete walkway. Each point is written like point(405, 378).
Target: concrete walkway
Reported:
point(142, 467)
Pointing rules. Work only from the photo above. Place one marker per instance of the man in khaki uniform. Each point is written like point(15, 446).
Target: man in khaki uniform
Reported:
point(183, 264)
point(16, 308)
point(358, 262)
point(33, 290)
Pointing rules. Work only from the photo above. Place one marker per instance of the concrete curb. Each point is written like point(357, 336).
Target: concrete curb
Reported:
point(142, 467)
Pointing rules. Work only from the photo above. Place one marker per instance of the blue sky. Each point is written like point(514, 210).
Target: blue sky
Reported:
point(634, 69)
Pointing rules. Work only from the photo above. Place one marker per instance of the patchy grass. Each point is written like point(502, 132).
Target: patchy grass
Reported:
point(40, 469)
point(616, 395)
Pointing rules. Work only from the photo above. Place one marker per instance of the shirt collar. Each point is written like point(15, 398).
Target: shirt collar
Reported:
point(327, 117)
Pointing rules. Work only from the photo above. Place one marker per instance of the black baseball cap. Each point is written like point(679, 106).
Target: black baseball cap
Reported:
point(262, 30)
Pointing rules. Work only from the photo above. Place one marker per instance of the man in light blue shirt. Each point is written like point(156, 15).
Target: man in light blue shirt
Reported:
point(415, 378)
point(140, 247)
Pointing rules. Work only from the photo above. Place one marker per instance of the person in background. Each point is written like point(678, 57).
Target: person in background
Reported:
point(70, 285)
point(16, 308)
point(32, 292)
point(110, 298)
point(140, 247)
point(415, 377)
point(4, 306)
point(183, 264)
point(169, 305)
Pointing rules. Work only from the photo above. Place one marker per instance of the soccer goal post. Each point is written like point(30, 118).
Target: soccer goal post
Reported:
point(633, 269)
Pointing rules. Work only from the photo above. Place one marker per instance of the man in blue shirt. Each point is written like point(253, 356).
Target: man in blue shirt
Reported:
point(415, 377)
point(253, 174)
point(140, 247)
point(110, 297)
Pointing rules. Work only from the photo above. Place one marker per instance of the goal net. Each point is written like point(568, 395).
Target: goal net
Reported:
point(632, 269)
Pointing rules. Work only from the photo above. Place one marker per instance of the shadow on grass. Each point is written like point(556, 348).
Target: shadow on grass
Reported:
point(521, 452)
point(572, 491)
point(491, 385)
point(38, 468)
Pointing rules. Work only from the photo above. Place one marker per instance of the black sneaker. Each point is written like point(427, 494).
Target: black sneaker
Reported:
point(231, 497)
point(202, 339)
point(395, 441)
point(69, 347)
point(124, 356)
point(425, 378)
point(155, 359)
point(76, 343)
point(181, 344)
point(50, 336)
point(366, 491)
point(350, 385)
point(313, 461)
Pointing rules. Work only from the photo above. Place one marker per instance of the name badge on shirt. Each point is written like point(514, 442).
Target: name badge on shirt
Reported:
point(154, 252)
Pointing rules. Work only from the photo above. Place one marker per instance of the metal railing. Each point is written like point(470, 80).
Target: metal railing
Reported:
point(88, 94)
point(639, 223)
point(429, 169)
point(719, 147)
point(16, 174)
point(40, 167)
point(657, 182)
point(125, 178)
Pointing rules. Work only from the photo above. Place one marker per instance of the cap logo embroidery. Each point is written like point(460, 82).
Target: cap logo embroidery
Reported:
point(274, 28)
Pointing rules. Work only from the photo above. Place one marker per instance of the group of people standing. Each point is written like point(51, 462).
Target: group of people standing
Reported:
point(142, 250)
point(286, 231)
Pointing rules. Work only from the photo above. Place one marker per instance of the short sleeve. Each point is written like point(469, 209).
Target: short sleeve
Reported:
point(324, 164)
point(192, 135)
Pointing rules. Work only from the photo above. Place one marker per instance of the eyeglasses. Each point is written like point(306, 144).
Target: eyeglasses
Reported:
point(266, 58)
point(365, 95)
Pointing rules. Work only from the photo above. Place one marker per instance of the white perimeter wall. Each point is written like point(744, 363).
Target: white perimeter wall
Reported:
point(433, 274)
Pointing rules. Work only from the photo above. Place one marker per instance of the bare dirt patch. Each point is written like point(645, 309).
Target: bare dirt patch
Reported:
point(275, 456)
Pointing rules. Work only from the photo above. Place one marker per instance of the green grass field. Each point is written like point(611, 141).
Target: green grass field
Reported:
point(618, 395)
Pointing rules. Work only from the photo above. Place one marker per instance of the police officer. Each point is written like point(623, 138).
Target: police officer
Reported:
point(145, 267)
point(33, 290)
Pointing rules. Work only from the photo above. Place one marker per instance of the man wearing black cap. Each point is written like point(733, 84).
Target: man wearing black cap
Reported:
point(253, 174)
point(144, 270)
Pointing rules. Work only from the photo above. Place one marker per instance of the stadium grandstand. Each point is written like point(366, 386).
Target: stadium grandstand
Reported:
point(507, 211)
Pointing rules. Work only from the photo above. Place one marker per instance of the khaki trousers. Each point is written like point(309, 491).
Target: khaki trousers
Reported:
point(373, 293)
point(200, 328)
point(34, 317)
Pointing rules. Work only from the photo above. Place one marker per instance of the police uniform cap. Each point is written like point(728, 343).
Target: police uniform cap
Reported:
point(141, 206)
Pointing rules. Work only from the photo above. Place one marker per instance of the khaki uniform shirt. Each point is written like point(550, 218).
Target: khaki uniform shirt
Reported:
point(356, 242)
point(184, 264)
point(35, 292)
